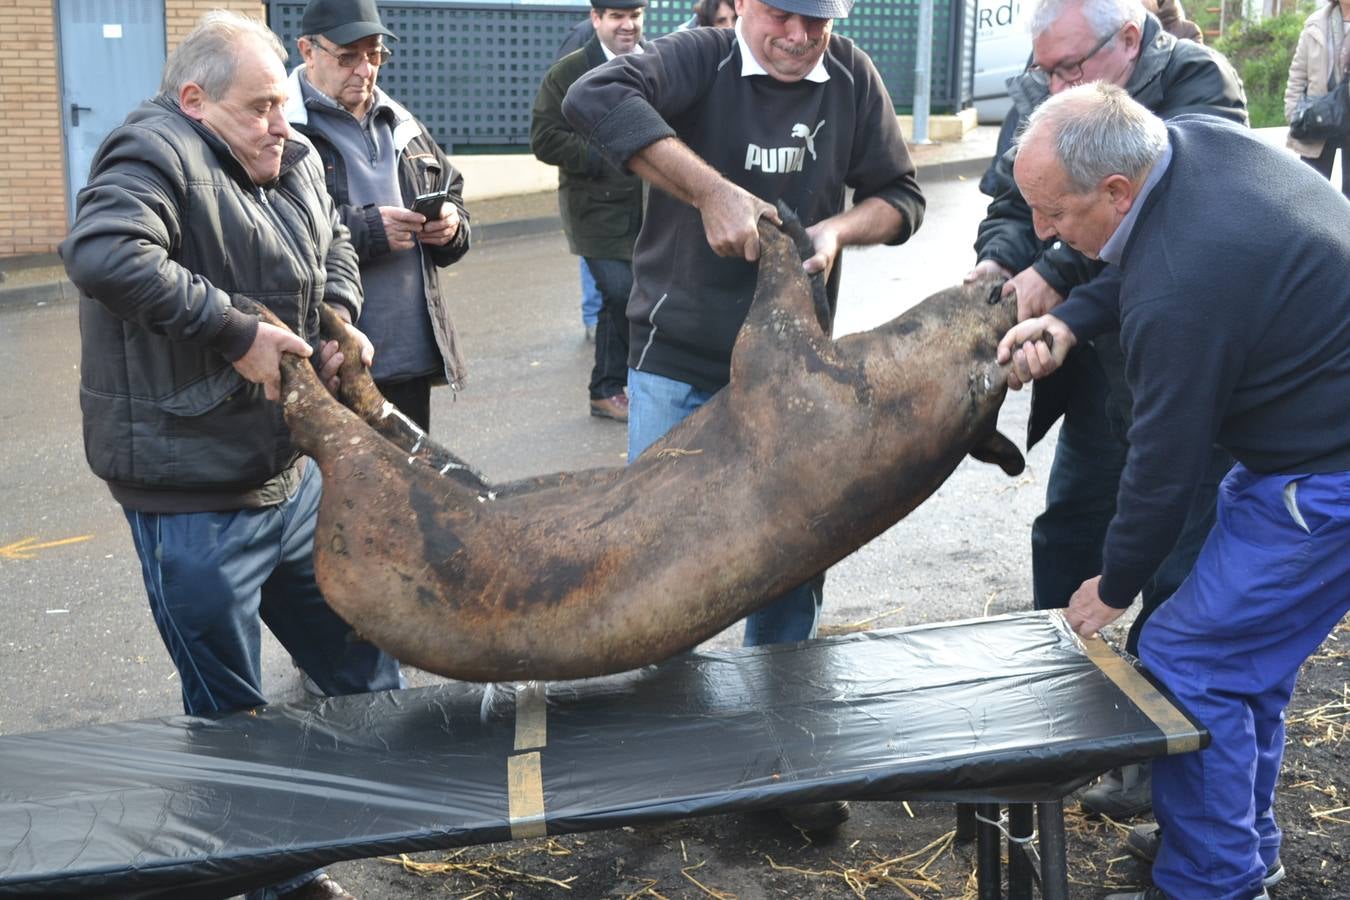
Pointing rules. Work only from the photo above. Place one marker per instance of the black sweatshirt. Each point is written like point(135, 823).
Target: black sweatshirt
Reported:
point(1234, 313)
point(802, 143)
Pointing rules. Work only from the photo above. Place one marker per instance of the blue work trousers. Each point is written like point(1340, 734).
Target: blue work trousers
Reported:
point(214, 578)
point(657, 404)
point(1271, 582)
point(1080, 501)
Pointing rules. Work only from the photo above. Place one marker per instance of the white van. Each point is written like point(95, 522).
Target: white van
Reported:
point(1002, 48)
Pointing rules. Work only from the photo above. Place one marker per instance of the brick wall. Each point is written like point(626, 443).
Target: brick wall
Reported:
point(32, 178)
point(181, 15)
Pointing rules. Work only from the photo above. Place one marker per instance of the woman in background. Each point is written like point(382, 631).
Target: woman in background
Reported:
point(715, 13)
point(1319, 62)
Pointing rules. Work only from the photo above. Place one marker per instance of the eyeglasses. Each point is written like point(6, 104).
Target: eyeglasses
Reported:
point(1070, 72)
point(350, 59)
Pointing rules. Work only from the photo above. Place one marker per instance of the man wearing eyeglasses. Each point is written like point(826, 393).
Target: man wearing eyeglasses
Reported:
point(1075, 42)
point(378, 159)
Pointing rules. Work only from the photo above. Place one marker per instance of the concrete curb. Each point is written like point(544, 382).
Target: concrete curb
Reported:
point(38, 294)
point(956, 169)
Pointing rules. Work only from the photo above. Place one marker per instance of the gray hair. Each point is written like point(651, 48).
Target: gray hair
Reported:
point(1097, 130)
point(208, 55)
point(1105, 16)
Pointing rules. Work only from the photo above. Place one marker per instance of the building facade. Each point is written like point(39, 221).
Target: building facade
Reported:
point(68, 68)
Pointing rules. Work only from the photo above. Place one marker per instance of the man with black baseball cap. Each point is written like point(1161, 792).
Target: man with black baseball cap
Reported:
point(777, 109)
point(378, 159)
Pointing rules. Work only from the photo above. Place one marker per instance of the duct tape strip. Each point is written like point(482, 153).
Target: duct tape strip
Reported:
point(531, 716)
point(525, 794)
point(1182, 736)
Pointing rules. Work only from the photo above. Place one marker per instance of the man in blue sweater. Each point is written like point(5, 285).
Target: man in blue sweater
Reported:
point(1229, 338)
point(1075, 42)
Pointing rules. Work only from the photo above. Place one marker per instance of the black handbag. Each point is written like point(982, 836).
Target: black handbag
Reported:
point(1326, 117)
point(1322, 118)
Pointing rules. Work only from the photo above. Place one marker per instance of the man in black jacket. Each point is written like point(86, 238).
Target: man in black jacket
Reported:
point(199, 205)
point(601, 206)
point(377, 159)
point(1077, 41)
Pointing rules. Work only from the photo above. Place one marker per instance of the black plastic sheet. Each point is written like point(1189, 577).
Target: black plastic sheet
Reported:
point(1006, 708)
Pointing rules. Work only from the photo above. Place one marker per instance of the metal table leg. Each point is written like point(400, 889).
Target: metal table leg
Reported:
point(988, 847)
point(965, 823)
point(1021, 869)
point(1054, 865)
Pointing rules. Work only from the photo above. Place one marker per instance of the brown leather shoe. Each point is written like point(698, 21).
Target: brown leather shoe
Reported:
point(321, 888)
point(817, 817)
point(615, 407)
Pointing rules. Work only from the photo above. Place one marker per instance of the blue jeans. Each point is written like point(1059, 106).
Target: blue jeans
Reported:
point(1271, 583)
point(590, 296)
point(1080, 501)
point(614, 280)
point(657, 404)
point(214, 578)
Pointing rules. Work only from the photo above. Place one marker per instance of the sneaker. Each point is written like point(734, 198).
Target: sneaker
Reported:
point(615, 407)
point(1122, 793)
point(824, 816)
point(321, 888)
point(1155, 894)
point(1144, 840)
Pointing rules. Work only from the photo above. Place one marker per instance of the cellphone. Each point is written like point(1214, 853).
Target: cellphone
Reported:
point(429, 205)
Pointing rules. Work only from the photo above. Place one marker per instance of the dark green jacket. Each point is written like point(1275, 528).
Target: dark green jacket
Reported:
point(601, 206)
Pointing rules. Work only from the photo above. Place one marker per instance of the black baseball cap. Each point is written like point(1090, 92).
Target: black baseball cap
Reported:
point(343, 21)
point(815, 9)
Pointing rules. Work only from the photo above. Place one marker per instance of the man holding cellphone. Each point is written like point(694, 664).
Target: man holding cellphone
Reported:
point(394, 189)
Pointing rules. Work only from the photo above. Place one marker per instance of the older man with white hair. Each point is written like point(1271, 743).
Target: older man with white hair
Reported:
point(1228, 338)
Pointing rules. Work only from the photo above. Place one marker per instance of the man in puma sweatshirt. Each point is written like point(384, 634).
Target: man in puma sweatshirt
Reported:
point(723, 123)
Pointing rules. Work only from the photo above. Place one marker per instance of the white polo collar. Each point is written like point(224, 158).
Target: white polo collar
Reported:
point(610, 54)
point(750, 65)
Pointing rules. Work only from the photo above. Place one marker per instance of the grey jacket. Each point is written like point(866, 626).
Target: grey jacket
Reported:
point(168, 231)
point(422, 166)
point(1171, 77)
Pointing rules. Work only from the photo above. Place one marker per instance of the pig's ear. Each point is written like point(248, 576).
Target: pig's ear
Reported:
point(997, 449)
